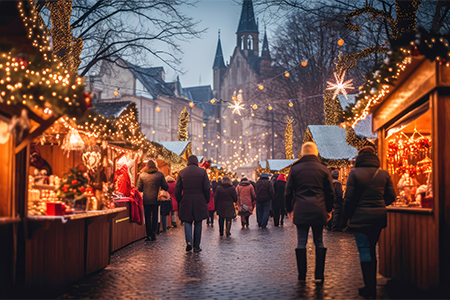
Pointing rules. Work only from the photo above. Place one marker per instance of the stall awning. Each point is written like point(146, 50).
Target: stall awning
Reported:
point(276, 165)
point(176, 147)
point(330, 141)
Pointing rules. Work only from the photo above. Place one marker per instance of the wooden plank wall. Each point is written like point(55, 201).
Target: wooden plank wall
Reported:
point(6, 175)
point(59, 161)
point(125, 232)
point(55, 257)
point(97, 243)
point(408, 249)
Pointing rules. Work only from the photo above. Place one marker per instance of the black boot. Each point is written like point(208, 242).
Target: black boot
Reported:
point(369, 271)
point(301, 263)
point(320, 264)
point(228, 227)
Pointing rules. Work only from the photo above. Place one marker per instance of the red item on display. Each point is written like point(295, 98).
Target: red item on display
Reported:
point(122, 181)
point(427, 202)
point(55, 208)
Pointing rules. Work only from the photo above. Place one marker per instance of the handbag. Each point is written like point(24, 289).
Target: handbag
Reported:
point(163, 195)
point(244, 208)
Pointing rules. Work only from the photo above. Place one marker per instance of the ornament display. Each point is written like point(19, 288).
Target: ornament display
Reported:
point(72, 142)
point(92, 158)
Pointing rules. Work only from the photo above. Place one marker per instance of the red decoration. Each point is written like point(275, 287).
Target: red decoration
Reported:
point(82, 189)
point(74, 191)
point(415, 52)
point(74, 182)
point(64, 189)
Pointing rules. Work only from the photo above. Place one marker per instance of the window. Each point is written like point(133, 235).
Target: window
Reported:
point(250, 42)
point(242, 42)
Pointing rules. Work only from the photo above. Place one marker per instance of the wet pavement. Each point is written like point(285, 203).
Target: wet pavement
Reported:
point(250, 264)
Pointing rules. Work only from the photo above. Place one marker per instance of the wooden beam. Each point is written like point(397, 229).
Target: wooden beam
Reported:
point(37, 132)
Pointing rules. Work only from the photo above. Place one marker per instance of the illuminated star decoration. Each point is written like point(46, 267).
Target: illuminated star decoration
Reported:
point(237, 106)
point(340, 86)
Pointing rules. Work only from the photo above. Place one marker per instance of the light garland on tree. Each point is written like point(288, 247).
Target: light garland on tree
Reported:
point(183, 134)
point(288, 135)
point(36, 78)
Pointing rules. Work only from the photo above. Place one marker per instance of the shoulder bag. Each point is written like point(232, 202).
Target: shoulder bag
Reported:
point(244, 208)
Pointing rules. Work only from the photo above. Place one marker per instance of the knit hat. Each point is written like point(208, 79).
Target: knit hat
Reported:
point(309, 148)
point(151, 164)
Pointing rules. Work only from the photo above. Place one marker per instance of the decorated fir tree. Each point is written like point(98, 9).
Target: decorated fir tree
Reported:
point(73, 185)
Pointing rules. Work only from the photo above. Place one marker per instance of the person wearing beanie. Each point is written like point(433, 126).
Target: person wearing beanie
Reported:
point(369, 191)
point(192, 193)
point(149, 182)
point(309, 198)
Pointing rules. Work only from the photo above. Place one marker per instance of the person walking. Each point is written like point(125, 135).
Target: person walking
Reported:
point(224, 198)
point(246, 196)
point(192, 194)
point(166, 207)
point(278, 203)
point(172, 183)
point(149, 182)
point(211, 208)
point(264, 194)
point(309, 199)
point(337, 214)
point(369, 191)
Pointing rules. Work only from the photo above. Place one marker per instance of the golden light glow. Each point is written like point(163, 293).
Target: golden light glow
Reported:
point(340, 42)
point(340, 86)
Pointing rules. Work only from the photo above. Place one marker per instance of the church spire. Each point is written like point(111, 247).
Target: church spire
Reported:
point(265, 47)
point(218, 60)
point(247, 22)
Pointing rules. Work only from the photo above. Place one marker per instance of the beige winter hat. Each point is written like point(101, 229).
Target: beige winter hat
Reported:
point(309, 148)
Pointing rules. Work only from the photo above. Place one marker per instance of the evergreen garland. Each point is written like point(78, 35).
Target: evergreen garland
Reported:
point(183, 134)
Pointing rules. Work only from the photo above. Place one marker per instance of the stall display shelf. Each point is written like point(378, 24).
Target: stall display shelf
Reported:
point(88, 214)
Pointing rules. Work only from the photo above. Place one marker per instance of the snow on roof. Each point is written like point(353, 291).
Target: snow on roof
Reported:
point(345, 102)
point(279, 164)
point(111, 109)
point(263, 164)
point(199, 158)
point(330, 141)
point(364, 128)
point(216, 166)
point(176, 147)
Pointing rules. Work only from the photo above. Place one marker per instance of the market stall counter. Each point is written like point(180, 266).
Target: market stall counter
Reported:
point(62, 249)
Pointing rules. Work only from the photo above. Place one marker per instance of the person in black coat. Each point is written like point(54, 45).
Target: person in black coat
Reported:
point(278, 203)
point(192, 193)
point(369, 191)
point(309, 195)
point(264, 195)
point(224, 198)
point(336, 219)
point(149, 182)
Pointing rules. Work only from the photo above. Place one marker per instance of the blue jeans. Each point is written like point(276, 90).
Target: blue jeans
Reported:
point(197, 233)
point(302, 236)
point(366, 242)
point(262, 213)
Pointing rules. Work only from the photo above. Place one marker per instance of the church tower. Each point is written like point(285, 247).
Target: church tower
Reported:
point(219, 69)
point(247, 32)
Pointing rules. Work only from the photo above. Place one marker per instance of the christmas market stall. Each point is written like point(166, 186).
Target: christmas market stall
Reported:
point(280, 165)
point(334, 151)
point(409, 97)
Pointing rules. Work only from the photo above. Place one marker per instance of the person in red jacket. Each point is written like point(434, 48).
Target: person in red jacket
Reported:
point(172, 183)
point(211, 208)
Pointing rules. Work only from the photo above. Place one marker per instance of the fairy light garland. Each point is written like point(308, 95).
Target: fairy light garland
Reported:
point(288, 138)
point(38, 79)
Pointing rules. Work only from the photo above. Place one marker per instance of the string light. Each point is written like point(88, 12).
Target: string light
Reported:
point(340, 86)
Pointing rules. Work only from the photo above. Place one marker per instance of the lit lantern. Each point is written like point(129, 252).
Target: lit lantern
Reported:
point(340, 42)
point(116, 93)
point(260, 86)
point(158, 109)
point(304, 63)
point(73, 141)
point(153, 132)
point(217, 121)
point(286, 74)
point(213, 100)
point(191, 104)
point(270, 107)
point(204, 124)
point(290, 103)
point(255, 107)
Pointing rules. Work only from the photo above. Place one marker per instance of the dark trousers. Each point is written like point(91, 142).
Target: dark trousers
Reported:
point(278, 214)
point(151, 219)
point(221, 223)
point(262, 213)
point(337, 217)
point(210, 217)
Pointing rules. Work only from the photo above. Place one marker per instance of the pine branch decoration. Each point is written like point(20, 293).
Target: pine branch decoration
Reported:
point(288, 138)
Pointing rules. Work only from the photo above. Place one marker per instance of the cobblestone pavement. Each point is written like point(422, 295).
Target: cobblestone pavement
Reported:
point(250, 264)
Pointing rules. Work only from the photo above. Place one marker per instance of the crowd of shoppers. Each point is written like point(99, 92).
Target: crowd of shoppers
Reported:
point(310, 195)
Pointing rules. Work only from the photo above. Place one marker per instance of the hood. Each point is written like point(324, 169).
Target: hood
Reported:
point(244, 183)
point(170, 178)
point(335, 174)
point(151, 170)
point(192, 160)
point(367, 159)
point(281, 177)
point(226, 184)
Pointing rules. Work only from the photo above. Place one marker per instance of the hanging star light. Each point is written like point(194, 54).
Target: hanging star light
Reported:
point(340, 86)
point(237, 106)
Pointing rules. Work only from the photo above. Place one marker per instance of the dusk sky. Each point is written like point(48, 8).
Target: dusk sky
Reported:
point(198, 56)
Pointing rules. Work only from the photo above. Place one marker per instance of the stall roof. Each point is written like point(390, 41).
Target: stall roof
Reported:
point(176, 147)
point(330, 141)
point(112, 109)
point(216, 166)
point(364, 128)
point(279, 164)
point(263, 164)
point(199, 158)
